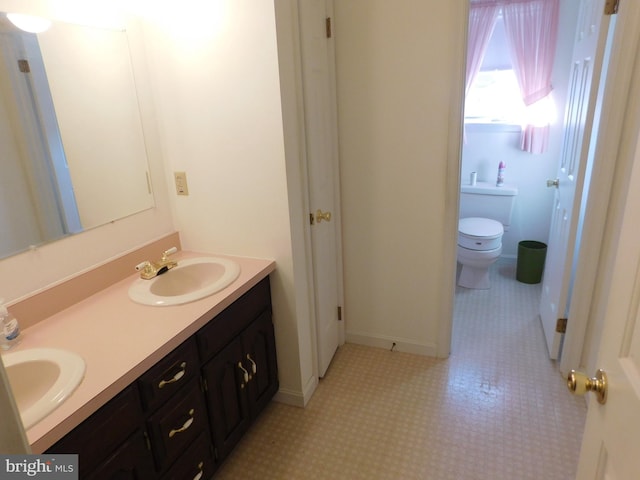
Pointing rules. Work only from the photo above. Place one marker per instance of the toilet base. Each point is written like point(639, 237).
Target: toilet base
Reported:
point(475, 267)
point(474, 277)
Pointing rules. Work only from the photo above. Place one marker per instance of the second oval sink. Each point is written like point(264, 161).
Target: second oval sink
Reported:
point(191, 280)
point(41, 379)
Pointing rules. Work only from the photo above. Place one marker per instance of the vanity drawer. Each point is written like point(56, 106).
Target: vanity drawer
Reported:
point(195, 464)
point(169, 375)
point(104, 431)
point(175, 425)
point(214, 336)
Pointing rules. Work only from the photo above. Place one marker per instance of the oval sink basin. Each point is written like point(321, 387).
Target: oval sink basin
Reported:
point(41, 379)
point(191, 280)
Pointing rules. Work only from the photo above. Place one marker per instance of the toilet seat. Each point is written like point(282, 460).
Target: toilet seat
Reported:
point(476, 233)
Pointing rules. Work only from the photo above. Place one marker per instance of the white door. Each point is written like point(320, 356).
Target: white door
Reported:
point(321, 146)
point(586, 66)
point(612, 432)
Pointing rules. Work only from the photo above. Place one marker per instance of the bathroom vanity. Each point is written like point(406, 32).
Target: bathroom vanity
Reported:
point(186, 413)
point(174, 391)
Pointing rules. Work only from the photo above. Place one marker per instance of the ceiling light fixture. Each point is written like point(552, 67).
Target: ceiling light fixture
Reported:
point(29, 23)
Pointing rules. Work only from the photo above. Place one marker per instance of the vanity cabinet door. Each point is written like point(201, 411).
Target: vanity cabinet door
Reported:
point(130, 462)
point(104, 432)
point(229, 323)
point(225, 380)
point(259, 358)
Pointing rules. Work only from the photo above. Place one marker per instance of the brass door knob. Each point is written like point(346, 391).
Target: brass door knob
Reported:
point(578, 383)
point(553, 183)
point(320, 215)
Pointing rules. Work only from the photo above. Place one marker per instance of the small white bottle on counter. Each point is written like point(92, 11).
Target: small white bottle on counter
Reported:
point(9, 328)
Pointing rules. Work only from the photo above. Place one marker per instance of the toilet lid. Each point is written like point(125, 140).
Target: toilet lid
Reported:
point(480, 227)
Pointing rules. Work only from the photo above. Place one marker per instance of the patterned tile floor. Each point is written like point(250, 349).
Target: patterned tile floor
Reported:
point(497, 409)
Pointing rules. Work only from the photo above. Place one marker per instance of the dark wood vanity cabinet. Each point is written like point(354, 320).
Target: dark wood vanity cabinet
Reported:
point(241, 376)
point(183, 416)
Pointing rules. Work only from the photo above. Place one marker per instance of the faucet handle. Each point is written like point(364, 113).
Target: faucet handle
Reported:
point(142, 266)
point(171, 251)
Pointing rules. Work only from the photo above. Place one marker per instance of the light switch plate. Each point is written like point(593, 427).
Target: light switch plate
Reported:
point(181, 183)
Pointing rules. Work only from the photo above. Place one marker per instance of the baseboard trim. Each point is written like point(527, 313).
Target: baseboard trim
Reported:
point(295, 398)
point(401, 344)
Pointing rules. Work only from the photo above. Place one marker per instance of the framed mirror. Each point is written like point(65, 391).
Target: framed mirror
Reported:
point(71, 141)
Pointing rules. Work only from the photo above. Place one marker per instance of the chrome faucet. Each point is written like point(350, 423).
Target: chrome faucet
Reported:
point(149, 270)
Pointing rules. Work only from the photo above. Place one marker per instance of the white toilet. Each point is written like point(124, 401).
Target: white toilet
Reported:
point(485, 214)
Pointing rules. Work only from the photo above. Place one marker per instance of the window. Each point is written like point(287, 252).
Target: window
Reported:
point(494, 97)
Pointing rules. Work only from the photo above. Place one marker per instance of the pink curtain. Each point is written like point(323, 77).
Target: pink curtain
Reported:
point(532, 31)
point(482, 19)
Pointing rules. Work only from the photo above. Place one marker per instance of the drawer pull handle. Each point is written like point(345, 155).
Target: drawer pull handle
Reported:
point(185, 426)
point(176, 377)
point(254, 367)
point(245, 375)
point(201, 472)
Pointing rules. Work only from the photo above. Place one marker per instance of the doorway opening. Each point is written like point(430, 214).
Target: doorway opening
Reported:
point(541, 213)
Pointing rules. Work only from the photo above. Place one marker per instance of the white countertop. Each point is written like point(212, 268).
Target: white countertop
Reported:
point(120, 339)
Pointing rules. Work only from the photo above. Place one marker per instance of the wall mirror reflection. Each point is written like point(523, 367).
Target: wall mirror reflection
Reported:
point(72, 148)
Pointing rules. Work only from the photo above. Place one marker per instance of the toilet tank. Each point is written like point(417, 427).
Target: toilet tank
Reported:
point(486, 200)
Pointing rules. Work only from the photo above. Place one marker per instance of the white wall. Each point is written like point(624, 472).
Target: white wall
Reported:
point(487, 145)
point(397, 83)
point(399, 70)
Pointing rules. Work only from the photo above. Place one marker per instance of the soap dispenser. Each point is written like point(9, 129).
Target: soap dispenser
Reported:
point(9, 328)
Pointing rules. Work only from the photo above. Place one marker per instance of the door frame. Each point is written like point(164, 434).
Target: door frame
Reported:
point(453, 179)
point(336, 172)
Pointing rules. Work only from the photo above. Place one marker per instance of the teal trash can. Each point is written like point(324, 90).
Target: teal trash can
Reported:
point(531, 257)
